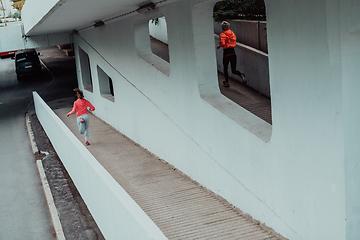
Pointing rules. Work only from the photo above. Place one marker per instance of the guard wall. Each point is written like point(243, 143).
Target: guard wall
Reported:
point(115, 212)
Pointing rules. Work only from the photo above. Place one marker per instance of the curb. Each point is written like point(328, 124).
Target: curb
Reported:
point(49, 198)
point(31, 135)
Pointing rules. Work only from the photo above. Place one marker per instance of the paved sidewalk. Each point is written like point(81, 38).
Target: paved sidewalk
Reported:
point(180, 207)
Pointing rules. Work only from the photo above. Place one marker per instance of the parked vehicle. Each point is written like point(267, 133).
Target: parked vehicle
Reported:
point(27, 63)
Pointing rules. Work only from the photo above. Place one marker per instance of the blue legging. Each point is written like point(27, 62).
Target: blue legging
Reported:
point(84, 127)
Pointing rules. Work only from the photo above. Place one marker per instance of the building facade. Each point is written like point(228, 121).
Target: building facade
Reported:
point(300, 175)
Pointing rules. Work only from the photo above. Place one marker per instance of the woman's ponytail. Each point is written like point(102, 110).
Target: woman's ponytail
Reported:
point(79, 93)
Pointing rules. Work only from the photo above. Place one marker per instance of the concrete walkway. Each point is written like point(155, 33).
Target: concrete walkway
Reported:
point(180, 207)
point(246, 97)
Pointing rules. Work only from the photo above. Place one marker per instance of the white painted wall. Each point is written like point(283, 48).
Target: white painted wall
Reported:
point(47, 40)
point(11, 38)
point(299, 176)
point(36, 10)
point(115, 212)
point(293, 181)
point(159, 30)
point(350, 58)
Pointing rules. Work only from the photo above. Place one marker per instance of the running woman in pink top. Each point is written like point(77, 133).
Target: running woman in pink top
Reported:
point(81, 106)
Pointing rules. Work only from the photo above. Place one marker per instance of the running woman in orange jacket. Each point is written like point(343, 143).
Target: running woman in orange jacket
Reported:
point(228, 43)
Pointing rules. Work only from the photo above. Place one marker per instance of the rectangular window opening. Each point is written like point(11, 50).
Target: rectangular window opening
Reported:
point(253, 91)
point(151, 40)
point(235, 100)
point(85, 70)
point(106, 85)
point(159, 38)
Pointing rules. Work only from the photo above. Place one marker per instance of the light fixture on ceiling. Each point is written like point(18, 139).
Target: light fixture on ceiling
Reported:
point(99, 23)
point(146, 7)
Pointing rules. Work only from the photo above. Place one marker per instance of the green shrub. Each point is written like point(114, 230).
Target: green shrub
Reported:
point(240, 9)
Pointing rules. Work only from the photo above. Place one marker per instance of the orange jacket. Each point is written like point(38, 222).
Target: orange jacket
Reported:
point(227, 39)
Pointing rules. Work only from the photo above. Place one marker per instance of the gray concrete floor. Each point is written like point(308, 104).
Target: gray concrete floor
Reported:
point(179, 206)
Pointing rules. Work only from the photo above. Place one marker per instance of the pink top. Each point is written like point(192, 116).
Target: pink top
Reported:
point(80, 106)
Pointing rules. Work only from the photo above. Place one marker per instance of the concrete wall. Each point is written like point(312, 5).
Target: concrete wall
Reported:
point(32, 15)
point(182, 118)
point(115, 212)
point(298, 176)
point(47, 40)
point(349, 32)
point(12, 38)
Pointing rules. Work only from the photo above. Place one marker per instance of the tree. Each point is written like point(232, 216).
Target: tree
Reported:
point(240, 9)
point(18, 4)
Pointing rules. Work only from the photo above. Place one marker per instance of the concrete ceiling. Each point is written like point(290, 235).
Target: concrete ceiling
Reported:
point(69, 15)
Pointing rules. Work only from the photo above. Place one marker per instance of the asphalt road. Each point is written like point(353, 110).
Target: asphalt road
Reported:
point(23, 210)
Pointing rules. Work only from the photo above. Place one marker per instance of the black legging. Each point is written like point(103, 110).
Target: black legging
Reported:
point(232, 59)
